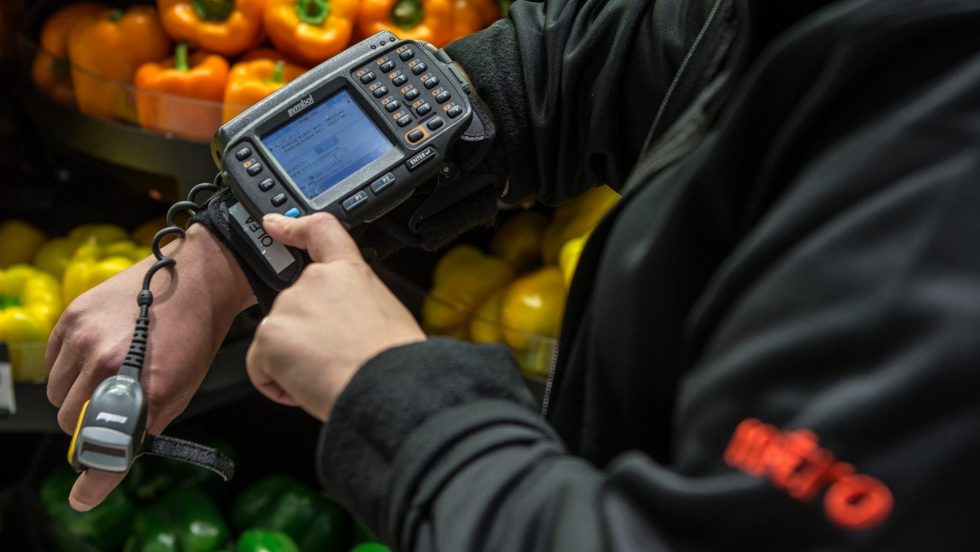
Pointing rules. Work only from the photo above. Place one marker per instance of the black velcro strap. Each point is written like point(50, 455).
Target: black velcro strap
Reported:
point(190, 452)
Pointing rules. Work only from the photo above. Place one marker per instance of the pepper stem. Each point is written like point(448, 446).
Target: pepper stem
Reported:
point(407, 14)
point(7, 302)
point(213, 10)
point(312, 12)
point(180, 57)
point(115, 15)
point(278, 72)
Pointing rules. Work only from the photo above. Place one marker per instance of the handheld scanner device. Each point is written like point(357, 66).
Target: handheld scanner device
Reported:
point(111, 427)
point(354, 137)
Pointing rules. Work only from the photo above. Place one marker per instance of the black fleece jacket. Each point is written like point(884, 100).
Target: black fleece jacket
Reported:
point(770, 344)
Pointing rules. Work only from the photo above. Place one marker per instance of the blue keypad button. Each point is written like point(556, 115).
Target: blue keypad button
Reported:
point(293, 213)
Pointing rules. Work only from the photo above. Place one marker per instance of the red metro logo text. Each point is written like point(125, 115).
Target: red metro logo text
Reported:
point(796, 464)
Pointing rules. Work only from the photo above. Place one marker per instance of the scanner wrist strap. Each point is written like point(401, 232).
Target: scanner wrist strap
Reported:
point(190, 452)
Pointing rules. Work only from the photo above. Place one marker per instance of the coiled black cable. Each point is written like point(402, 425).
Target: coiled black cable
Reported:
point(133, 364)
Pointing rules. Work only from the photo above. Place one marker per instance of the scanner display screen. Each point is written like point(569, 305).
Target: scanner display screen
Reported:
point(331, 141)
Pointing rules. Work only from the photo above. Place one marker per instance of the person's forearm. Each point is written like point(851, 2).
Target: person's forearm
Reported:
point(204, 263)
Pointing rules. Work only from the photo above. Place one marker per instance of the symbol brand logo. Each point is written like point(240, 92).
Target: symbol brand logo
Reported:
point(111, 418)
point(303, 104)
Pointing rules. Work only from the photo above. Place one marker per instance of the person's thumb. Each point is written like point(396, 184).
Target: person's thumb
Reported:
point(91, 488)
point(320, 234)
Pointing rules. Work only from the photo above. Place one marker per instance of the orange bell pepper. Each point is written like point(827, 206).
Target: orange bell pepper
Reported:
point(428, 20)
point(51, 67)
point(181, 95)
point(469, 16)
point(227, 27)
point(250, 81)
point(105, 52)
point(311, 31)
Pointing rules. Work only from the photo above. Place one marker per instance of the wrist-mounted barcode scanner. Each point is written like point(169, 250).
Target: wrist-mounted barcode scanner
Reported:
point(354, 137)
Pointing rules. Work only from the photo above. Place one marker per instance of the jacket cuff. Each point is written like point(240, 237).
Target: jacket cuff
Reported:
point(492, 60)
point(389, 398)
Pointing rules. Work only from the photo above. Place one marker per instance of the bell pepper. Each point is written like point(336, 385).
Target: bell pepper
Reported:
point(569, 255)
point(105, 52)
point(102, 234)
point(19, 241)
point(104, 527)
point(51, 66)
point(226, 27)
point(518, 239)
point(183, 520)
point(30, 304)
point(93, 264)
point(485, 325)
point(280, 503)
point(574, 218)
point(469, 16)
point(370, 547)
point(181, 95)
point(532, 307)
point(464, 277)
point(250, 81)
point(530, 315)
point(428, 20)
point(262, 540)
point(53, 256)
point(310, 31)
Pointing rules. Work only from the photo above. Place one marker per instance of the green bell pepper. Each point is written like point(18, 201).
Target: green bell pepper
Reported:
point(183, 520)
point(104, 527)
point(261, 540)
point(370, 547)
point(280, 503)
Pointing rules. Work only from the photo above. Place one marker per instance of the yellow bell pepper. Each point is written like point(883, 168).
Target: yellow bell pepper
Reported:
point(518, 240)
point(18, 241)
point(532, 308)
point(568, 258)
point(102, 234)
point(30, 304)
point(463, 279)
point(53, 256)
point(311, 31)
point(94, 264)
point(575, 218)
point(485, 326)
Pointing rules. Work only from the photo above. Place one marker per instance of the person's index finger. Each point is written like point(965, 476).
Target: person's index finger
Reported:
point(320, 234)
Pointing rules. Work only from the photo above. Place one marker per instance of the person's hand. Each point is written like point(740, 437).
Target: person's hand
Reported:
point(190, 316)
point(334, 318)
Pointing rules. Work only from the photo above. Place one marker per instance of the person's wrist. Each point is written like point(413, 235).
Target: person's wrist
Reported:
point(222, 280)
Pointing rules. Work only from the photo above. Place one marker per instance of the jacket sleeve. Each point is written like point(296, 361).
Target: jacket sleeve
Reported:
point(575, 86)
point(832, 402)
